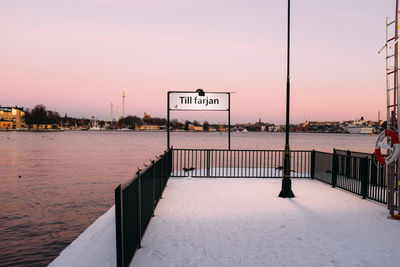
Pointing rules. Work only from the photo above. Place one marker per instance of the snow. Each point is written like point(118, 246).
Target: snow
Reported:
point(94, 247)
point(242, 222)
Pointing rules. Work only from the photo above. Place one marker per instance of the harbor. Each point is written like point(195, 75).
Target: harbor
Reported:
point(200, 133)
point(37, 214)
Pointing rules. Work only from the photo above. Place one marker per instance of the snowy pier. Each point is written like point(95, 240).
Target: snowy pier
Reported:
point(242, 222)
point(212, 214)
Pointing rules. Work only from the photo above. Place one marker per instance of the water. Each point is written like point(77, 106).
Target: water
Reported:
point(54, 185)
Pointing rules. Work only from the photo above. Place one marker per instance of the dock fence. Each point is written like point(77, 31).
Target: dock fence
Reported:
point(223, 163)
point(356, 172)
point(135, 203)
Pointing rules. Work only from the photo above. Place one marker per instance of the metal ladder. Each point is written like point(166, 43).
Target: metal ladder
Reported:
point(392, 107)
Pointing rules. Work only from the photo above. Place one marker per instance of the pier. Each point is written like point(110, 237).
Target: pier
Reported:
point(136, 201)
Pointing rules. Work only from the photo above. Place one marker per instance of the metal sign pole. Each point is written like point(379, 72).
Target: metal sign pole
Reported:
point(229, 121)
point(168, 133)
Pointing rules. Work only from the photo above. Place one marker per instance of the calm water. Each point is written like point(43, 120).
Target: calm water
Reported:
point(54, 185)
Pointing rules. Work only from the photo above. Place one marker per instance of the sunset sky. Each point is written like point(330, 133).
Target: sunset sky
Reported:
point(76, 56)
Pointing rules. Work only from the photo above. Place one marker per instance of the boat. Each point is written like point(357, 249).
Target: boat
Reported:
point(359, 127)
point(94, 125)
point(95, 128)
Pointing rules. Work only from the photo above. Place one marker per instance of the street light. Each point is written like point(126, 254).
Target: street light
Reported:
point(286, 191)
point(200, 92)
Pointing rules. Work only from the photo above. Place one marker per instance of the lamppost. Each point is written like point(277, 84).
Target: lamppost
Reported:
point(286, 191)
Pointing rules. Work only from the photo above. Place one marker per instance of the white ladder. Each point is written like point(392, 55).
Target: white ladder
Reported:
point(392, 106)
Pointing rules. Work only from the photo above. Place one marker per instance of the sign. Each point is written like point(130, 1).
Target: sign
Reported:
point(192, 101)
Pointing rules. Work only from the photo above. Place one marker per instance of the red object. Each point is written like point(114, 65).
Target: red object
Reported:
point(379, 156)
point(395, 140)
point(393, 135)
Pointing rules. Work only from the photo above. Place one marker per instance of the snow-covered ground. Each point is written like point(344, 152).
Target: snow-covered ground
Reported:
point(94, 247)
point(242, 222)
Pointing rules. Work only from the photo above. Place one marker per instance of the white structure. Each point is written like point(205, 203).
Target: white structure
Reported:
point(94, 124)
point(112, 118)
point(359, 127)
point(123, 104)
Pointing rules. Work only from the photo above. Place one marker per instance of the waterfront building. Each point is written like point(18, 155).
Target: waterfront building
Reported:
point(147, 127)
point(146, 116)
point(12, 118)
point(192, 127)
point(43, 126)
point(4, 124)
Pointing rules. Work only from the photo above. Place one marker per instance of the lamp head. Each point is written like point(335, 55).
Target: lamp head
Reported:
point(200, 92)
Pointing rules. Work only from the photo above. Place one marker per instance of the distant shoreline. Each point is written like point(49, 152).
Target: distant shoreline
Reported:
point(160, 131)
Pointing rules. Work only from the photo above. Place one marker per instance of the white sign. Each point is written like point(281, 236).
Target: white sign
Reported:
point(192, 101)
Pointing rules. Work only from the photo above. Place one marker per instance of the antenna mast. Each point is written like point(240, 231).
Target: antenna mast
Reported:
point(123, 104)
point(111, 113)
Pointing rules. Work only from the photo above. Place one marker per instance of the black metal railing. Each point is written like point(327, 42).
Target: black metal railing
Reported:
point(361, 173)
point(213, 163)
point(135, 203)
point(356, 172)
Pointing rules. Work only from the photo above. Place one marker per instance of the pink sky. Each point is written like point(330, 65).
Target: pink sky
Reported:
point(77, 56)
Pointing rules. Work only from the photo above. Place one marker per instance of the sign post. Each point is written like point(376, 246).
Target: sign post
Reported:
point(196, 101)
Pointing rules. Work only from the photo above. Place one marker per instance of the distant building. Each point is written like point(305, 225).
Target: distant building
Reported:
point(255, 128)
point(146, 116)
point(4, 124)
point(324, 123)
point(42, 126)
point(192, 127)
point(147, 127)
point(12, 118)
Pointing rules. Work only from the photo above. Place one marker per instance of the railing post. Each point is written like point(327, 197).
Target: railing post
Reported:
point(119, 226)
point(348, 164)
point(335, 167)
point(161, 176)
point(164, 170)
point(154, 186)
point(170, 162)
point(139, 199)
point(365, 177)
point(208, 163)
point(312, 164)
point(374, 170)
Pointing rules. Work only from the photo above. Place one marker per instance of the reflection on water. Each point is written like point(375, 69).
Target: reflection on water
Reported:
point(54, 185)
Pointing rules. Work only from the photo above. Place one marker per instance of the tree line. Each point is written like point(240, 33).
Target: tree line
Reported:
point(41, 115)
point(132, 122)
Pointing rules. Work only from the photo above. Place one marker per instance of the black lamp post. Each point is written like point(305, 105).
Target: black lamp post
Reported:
point(286, 191)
